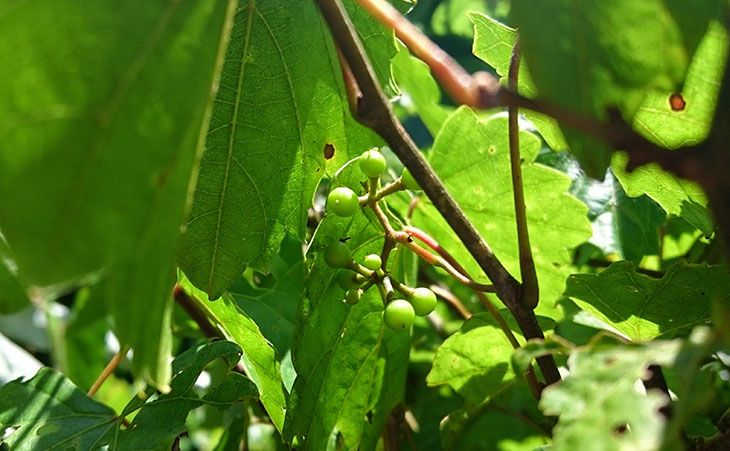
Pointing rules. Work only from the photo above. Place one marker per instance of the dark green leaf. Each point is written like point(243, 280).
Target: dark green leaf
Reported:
point(100, 123)
point(475, 361)
point(643, 308)
point(86, 354)
point(12, 295)
point(49, 412)
point(259, 358)
point(350, 367)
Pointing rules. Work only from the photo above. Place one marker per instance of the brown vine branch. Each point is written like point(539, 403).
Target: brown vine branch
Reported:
point(373, 110)
point(528, 273)
point(482, 90)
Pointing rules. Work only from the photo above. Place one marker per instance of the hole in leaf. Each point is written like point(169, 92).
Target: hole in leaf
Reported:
point(620, 429)
point(329, 151)
point(369, 417)
point(676, 102)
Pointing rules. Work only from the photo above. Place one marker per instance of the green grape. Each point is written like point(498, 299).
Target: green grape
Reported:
point(353, 296)
point(342, 201)
point(399, 314)
point(337, 255)
point(372, 163)
point(423, 301)
point(347, 279)
point(372, 262)
point(408, 181)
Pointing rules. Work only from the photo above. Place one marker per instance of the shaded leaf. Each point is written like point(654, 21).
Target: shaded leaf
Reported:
point(472, 159)
point(644, 308)
point(259, 357)
point(475, 361)
point(589, 56)
point(12, 295)
point(162, 418)
point(350, 367)
point(105, 107)
point(656, 119)
point(48, 411)
point(676, 196)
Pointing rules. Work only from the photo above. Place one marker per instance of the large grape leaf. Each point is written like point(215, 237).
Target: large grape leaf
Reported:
point(472, 159)
point(259, 358)
point(589, 56)
point(642, 307)
point(475, 361)
point(280, 103)
point(493, 44)
point(103, 103)
point(48, 411)
point(350, 367)
point(598, 403)
point(676, 196)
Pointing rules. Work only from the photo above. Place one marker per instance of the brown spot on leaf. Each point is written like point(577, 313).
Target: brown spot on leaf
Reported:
point(329, 151)
point(676, 102)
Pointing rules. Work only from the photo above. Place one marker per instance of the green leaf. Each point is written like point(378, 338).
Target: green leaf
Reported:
point(259, 358)
point(676, 196)
point(162, 418)
point(414, 77)
point(12, 295)
point(273, 307)
point(598, 403)
point(280, 102)
point(656, 120)
point(350, 367)
point(589, 56)
point(472, 159)
point(48, 411)
point(493, 43)
point(475, 361)
point(106, 110)
point(643, 308)
point(693, 19)
point(84, 335)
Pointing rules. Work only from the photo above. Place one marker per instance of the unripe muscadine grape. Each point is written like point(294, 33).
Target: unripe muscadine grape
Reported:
point(337, 255)
point(372, 163)
point(399, 314)
point(346, 279)
point(342, 201)
point(372, 262)
point(423, 301)
point(353, 296)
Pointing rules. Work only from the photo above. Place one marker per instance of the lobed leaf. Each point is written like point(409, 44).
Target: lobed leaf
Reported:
point(644, 308)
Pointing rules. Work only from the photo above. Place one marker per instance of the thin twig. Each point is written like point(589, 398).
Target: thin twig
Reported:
point(108, 370)
point(373, 110)
point(528, 273)
point(452, 300)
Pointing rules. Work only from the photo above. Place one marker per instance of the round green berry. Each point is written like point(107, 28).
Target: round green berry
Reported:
point(408, 181)
point(423, 301)
point(347, 279)
point(337, 255)
point(372, 163)
point(353, 296)
point(399, 314)
point(372, 262)
point(342, 201)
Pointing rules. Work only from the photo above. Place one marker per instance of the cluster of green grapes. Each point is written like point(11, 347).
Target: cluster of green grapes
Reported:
point(354, 277)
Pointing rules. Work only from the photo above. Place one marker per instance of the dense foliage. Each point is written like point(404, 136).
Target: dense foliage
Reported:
point(202, 246)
